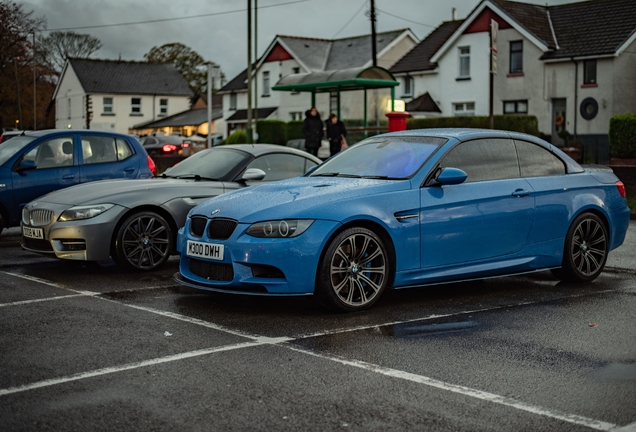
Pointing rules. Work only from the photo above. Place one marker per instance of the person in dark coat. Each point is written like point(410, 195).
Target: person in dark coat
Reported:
point(335, 132)
point(312, 129)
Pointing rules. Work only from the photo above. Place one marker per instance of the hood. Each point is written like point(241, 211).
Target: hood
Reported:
point(302, 197)
point(122, 191)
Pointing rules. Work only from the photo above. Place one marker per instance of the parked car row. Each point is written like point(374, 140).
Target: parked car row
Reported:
point(394, 211)
point(157, 145)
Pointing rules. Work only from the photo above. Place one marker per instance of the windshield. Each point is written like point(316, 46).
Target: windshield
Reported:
point(212, 164)
point(12, 146)
point(389, 157)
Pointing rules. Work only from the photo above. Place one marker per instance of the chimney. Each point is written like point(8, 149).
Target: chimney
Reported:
point(454, 14)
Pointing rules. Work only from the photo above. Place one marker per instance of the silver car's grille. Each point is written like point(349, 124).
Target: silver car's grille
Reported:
point(41, 217)
point(25, 216)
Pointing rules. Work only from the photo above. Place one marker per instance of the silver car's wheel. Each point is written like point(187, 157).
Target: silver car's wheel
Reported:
point(354, 271)
point(586, 249)
point(144, 241)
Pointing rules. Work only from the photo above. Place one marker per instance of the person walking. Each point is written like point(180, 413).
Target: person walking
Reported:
point(312, 129)
point(336, 132)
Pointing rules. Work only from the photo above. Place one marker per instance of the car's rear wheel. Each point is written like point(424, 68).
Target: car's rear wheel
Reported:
point(585, 251)
point(143, 242)
point(354, 271)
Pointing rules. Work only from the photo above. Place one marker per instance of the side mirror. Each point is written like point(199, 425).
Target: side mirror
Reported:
point(26, 165)
point(451, 176)
point(253, 174)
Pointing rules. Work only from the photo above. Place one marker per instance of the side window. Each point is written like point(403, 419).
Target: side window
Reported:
point(123, 149)
point(535, 161)
point(484, 159)
point(98, 149)
point(54, 153)
point(308, 164)
point(279, 166)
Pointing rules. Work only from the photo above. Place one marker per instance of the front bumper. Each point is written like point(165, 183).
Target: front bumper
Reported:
point(83, 240)
point(257, 266)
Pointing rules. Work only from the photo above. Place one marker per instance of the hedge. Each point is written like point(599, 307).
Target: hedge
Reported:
point(237, 137)
point(622, 136)
point(294, 130)
point(271, 131)
point(514, 123)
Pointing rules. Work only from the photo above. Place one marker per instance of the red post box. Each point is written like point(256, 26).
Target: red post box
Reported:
point(397, 121)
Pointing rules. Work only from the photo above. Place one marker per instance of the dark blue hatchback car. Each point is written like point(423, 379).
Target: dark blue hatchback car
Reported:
point(36, 163)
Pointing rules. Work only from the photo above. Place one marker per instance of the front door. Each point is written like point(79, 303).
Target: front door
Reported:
point(487, 216)
point(56, 168)
point(558, 121)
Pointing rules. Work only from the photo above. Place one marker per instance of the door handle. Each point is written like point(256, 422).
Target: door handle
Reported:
point(68, 177)
point(521, 193)
point(129, 169)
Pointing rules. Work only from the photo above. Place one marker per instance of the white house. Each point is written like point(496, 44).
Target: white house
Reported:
point(292, 55)
point(115, 95)
point(572, 66)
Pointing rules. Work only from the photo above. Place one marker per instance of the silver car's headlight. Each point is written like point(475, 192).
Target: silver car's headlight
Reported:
point(279, 228)
point(84, 212)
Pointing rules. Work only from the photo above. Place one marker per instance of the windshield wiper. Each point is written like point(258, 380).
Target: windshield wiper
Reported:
point(349, 175)
point(330, 174)
point(382, 177)
point(196, 177)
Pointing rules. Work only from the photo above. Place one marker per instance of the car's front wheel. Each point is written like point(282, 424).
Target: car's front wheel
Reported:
point(354, 271)
point(143, 242)
point(585, 251)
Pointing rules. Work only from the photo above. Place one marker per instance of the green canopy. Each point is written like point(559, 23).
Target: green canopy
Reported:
point(338, 80)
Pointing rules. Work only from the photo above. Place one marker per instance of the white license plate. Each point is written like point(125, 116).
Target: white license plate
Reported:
point(205, 250)
point(36, 233)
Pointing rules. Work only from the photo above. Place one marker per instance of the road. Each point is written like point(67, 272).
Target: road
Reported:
point(94, 347)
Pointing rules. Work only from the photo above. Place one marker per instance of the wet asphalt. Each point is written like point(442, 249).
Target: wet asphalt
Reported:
point(85, 346)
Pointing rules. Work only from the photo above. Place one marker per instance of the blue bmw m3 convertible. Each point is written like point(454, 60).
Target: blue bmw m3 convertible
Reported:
point(408, 209)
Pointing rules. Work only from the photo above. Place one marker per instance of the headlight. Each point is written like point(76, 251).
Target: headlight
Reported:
point(84, 212)
point(279, 228)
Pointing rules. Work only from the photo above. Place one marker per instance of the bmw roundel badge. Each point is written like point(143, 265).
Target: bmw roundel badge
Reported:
point(215, 212)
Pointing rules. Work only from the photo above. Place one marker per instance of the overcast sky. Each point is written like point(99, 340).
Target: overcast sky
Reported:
point(222, 38)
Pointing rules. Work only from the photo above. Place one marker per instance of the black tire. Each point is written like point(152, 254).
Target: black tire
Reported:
point(353, 272)
point(143, 242)
point(585, 251)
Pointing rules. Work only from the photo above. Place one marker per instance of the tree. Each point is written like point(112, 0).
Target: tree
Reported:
point(16, 67)
point(187, 61)
point(59, 45)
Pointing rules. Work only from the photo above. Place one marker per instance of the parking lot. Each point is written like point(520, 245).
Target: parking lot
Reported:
point(89, 346)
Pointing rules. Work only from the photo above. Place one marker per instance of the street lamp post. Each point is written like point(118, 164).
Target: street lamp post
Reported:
point(213, 72)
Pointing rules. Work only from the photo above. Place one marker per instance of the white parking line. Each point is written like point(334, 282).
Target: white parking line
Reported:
point(23, 302)
point(262, 340)
point(467, 391)
point(130, 366)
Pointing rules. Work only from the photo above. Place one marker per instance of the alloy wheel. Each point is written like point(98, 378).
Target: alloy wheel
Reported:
point(589, 247)
point(145, 241)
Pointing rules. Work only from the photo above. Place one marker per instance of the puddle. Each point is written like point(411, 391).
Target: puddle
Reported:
point(616, 372)
point(415, 330)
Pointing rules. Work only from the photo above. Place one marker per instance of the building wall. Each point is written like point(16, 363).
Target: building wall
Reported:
point(396, 52)
point(624, 84)
point(70, 105)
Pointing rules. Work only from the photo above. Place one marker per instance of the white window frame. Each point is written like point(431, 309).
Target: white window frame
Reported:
point(233, 101)
point(516, 109)
point(408, 86)
point(108, 108)
point(163, 108)
point(296, 115)
point(266, 88)
point(463, 109)
point(134, 106)
point(461, 56)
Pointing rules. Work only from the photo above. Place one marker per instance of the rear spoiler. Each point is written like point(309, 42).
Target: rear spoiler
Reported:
point(595, 167)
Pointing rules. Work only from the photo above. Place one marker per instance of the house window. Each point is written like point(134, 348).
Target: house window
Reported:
point(515, 107)
point(516, 57)
point(69, 108)
point(135, 105)
point(163, 106)
point(464, 62)
point(464, 109)
point(408, 86)
point(296, 70)
point(266, 83)
point(107, 107)
point(589, 72)
point(233, 101)
point(296, 115)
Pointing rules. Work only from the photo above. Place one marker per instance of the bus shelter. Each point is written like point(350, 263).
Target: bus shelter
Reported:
point(337, 81)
